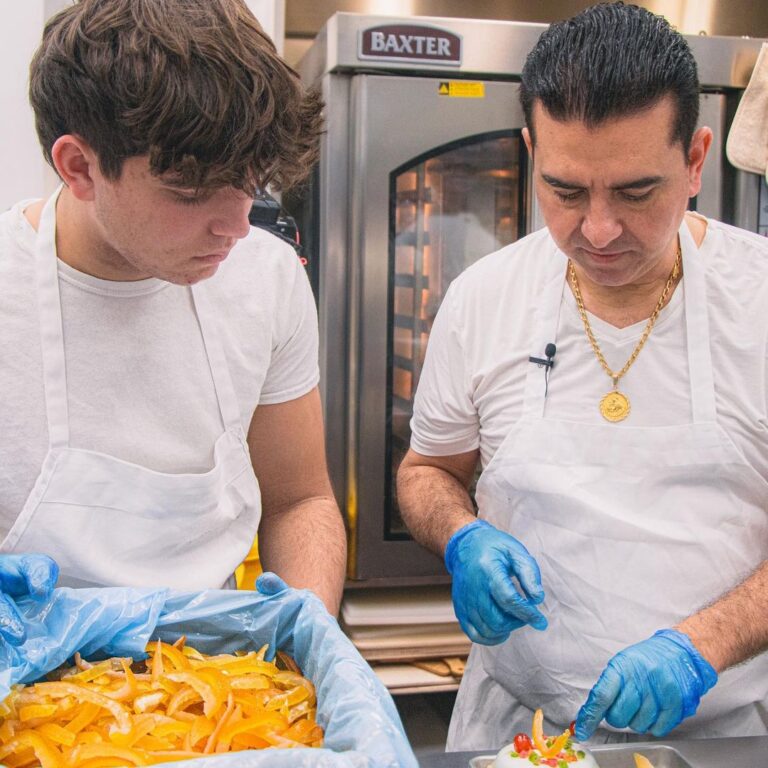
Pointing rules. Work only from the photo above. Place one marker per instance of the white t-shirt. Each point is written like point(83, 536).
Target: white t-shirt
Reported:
point(471, 390)
point(138, 380)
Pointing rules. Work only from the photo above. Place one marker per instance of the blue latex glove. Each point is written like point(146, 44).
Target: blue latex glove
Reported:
point(270, 583)
point(650, 687)
point(483, 560)
point(22, 575)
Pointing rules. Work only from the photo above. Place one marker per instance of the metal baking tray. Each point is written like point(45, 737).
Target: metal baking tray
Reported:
point(617, 756)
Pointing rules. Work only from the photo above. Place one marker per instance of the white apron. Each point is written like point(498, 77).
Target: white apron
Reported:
point(110, 522)
point(634, 528)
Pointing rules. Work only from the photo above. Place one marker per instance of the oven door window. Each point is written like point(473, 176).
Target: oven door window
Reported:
point(448, 209)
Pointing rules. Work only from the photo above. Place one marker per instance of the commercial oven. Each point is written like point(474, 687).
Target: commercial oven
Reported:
point(423, 171)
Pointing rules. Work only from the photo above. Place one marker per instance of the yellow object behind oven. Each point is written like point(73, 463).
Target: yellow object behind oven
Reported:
point(250, 569)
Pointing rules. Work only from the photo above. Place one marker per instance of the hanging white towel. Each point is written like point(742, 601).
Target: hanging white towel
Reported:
point(747, 145)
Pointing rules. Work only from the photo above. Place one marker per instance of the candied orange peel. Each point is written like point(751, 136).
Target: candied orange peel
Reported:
point(540, 740)
point(185, 705)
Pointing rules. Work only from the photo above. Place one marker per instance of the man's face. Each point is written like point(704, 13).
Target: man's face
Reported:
point(613, 195)
point(148, 228)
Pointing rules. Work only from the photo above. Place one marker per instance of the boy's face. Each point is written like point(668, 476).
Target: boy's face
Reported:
point(147, 228)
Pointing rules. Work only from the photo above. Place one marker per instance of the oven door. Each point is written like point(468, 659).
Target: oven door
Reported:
point(438, 178)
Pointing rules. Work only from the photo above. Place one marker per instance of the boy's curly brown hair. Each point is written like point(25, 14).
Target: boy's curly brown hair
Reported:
point(195, 85)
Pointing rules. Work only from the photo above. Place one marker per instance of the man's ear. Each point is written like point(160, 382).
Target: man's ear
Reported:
point(528, 139)
point(697, 154)
point(76, 164)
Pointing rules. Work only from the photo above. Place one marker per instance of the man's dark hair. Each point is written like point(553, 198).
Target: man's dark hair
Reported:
point(612, 60)
point(195, 85)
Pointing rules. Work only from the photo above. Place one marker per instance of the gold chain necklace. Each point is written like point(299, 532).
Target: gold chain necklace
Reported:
point(615, 405)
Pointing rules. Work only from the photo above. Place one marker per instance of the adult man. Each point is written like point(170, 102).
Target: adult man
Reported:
point(167, 358)
point(630, 484)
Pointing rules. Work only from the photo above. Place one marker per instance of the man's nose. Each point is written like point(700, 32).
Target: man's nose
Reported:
point(600, 225)
point(231, 220)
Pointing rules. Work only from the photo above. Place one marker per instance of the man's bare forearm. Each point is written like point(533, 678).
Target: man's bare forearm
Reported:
point(735, 627)
point(306, 545)
point(434, 505)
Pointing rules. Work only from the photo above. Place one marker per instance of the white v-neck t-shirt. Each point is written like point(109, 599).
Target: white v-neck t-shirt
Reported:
point(470, 394)
point(138, 380)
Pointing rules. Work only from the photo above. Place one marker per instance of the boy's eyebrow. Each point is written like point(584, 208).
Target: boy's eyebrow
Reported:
point(185, 189)
point(176, 184)
point(642, 183)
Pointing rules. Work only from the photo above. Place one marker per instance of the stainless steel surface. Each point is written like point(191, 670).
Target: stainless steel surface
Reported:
point(762, 223)
point(488, 47)
point(746, 200)
point(737, 752)
point(727, 193)
point(712, 113)
point(335, 281)
point(724, 62)
point(616, 757)
point(499, 49)
point(715, 17)
point(621, 756)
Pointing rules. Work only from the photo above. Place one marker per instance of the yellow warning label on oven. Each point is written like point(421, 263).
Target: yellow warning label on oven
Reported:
point(461, 89)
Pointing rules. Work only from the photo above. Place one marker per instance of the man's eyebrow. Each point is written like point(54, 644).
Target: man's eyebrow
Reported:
point(645, 181)
point(555, 182)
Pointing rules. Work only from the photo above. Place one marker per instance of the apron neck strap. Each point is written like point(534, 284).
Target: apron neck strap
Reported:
point(51, 330)
point(703, 405)
point(214, 350)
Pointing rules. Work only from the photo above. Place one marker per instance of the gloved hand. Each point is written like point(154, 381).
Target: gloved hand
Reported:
point(21, 575)
point(650, 687)
point(270, 583)
point(483, 560)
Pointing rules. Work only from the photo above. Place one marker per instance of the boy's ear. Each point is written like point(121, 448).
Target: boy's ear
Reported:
point(76, 164)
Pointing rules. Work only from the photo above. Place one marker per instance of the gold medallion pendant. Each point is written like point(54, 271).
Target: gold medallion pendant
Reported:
point(615, 406)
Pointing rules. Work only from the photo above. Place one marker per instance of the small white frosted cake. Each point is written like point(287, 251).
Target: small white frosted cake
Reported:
point(574, 755)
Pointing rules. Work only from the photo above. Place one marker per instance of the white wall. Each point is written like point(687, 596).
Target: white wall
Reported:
point(271, 16)
point(23, 172)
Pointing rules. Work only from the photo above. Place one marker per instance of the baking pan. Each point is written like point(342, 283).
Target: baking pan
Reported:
point(617, 756)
